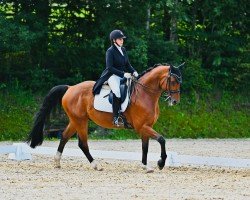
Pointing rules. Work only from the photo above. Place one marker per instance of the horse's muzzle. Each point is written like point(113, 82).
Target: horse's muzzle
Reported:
point(172, 102)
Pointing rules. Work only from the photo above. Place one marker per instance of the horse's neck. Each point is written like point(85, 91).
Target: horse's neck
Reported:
point(151, 82)
point(149, 89)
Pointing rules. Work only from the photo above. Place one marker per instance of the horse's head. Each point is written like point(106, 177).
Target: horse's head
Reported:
point(165, 78)
point(171, 85)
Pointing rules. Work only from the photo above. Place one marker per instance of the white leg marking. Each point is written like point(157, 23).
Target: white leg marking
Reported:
point(57, 159)
point(147, 168)
point(96, 165)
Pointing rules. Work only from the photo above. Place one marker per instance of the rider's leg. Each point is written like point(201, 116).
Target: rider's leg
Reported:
point(116, 108)
point(114, 83)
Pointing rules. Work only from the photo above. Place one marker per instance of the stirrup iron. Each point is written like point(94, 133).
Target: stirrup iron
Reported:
point(118, 121)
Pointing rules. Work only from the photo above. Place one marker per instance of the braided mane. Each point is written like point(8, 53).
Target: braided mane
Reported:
point(174, 71)
point(151, 68)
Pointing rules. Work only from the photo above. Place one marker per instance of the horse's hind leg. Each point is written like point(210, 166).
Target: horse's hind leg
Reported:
point(83, 144)
point(67, 133)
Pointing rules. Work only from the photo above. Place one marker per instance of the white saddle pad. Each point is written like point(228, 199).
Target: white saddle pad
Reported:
point(101, 101)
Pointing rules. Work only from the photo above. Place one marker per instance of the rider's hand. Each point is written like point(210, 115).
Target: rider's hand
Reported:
point(135, 74)
point(127, 75)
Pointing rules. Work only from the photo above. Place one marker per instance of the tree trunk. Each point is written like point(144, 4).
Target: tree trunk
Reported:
point(148, 18)
point(173, 32)
point(42, 12)
point(166, 23)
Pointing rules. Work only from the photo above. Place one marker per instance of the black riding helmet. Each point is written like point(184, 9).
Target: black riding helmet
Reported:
point(115, 34)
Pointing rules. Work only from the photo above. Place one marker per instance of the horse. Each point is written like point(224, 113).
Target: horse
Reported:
point(142, 113)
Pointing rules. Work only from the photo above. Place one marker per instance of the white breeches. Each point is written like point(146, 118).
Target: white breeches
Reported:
point(114, 84)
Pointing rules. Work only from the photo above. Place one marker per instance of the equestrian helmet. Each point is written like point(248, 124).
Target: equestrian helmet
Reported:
point(115, 34)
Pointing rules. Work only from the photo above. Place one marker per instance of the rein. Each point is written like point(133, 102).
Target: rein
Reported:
point(147, 87)
point(161, 90)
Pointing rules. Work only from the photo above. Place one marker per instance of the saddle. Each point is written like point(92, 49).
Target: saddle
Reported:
point(103, 101)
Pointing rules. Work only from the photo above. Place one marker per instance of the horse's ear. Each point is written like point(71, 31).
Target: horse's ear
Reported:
point(180, 67)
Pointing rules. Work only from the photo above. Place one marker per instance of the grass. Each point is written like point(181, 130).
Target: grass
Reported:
point(17, 108)
point(207, 118)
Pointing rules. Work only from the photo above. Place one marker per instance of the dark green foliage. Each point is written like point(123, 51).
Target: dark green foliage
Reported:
point(194, 77)
point(47, 43)
point(64, 42)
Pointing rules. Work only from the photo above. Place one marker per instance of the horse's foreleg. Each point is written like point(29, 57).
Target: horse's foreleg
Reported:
point(67, 133)
point(161, 162)
point(149, 132)
point(145, 142)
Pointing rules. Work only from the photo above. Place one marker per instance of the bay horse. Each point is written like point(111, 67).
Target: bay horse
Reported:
point(142, 113)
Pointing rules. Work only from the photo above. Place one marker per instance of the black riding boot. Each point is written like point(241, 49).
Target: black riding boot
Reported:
point(116, 108)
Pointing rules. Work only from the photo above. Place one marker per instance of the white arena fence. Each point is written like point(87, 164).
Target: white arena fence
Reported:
point(21, 151)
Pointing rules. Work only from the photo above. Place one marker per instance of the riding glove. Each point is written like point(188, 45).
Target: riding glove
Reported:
point(127, 75)
point(135, 74)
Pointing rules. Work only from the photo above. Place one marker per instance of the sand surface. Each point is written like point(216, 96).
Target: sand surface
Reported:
point(38, 179)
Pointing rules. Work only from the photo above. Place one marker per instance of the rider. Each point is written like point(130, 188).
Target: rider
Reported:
point(117, 67)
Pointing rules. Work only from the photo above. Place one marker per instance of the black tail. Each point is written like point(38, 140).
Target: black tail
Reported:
point(54, 96)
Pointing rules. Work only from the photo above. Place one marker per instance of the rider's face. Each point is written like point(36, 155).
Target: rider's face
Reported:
point(119, 41)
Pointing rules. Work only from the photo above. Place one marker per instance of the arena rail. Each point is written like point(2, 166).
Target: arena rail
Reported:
point(21, 151)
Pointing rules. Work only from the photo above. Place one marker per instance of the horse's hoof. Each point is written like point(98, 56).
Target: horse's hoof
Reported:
point(96, 166)
point(161, 164)
point(57, 159)
point(57, 163)
point(148, 168)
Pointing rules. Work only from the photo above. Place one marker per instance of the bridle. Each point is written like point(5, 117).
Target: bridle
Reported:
point(169, 91)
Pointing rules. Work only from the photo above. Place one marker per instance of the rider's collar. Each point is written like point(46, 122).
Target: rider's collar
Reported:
point(119, 48)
